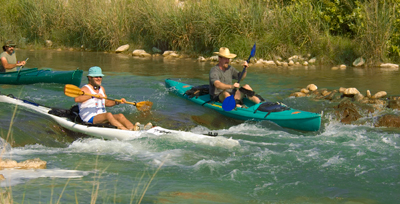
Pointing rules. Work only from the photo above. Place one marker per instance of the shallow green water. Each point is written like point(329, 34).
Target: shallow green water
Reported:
point(338, 164)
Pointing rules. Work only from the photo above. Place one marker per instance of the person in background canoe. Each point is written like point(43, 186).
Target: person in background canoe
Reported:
point(8, 58)
point(93, 109)
point(221, 77)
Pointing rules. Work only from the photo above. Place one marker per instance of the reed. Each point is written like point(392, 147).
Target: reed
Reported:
point(200, 27)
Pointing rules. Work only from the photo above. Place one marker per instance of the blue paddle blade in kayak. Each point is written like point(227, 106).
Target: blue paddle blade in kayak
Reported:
point(229, 103)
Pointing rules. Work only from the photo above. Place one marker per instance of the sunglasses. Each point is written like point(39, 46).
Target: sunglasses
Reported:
point(97, 77)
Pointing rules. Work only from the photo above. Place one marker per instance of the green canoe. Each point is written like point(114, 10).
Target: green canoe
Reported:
point(274, 112)
point(35, 75)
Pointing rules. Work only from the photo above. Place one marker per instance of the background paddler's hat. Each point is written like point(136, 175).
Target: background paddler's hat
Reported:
point(224, 52)
point(95, 72)
point(9, 43)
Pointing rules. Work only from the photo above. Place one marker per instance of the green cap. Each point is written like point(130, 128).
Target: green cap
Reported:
point(9, 43)
point(95, 71)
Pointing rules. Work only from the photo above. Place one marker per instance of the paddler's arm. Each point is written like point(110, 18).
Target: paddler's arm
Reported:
point(6, 65)
point(83, 98)
point(110, 103)
point(245, 64)
point(219, 85)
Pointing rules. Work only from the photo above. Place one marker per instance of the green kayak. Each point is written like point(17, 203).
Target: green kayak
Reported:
point(35, 75)
point(275, 112)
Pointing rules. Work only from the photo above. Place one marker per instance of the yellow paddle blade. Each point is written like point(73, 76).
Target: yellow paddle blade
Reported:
point(144, 105)
point(72, 90)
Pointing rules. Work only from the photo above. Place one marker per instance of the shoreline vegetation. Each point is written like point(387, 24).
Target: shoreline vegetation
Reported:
point(334, 32)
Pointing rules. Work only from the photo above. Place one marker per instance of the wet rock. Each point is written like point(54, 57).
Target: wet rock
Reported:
point(394, 104)
point(213, 58)
point(312, 60)
point(156, 50)
point(359, 62)
point(351, 91)
point(33, 164)
point(389, 65)
point(312, 87)
point(347, 112)
point(325, 92)
point(28, 164)
point(49, 43)
point(306, 91)
point(298, 94)
point(368, 94)
point(168, 52)
point(388, 121)
point(122, 48)
point(333, 95)
point(358, 97)
point(201, 59)
point(342, 66)
point(269, 63)
point(140, 53)
point(380, 94)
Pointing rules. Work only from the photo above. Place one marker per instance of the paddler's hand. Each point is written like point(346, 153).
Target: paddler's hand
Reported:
point(123, 100)
point(98, 96)
point(245, 64)
point(20, 64)
point(236, 85)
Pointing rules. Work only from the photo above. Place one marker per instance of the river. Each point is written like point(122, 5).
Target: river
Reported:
point(338, 164)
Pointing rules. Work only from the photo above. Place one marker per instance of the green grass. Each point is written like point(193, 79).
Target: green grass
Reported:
point(283, 28)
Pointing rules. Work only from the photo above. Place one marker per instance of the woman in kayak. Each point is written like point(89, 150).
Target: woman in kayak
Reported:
point(8, 58)
point(93, 109)
point(221, 77)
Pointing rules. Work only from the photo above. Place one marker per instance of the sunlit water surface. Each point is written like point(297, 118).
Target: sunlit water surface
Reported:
point(338, 164)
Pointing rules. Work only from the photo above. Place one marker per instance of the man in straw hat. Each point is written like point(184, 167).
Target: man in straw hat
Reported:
point(93, 109)
point(221, 77)
point(8, 58)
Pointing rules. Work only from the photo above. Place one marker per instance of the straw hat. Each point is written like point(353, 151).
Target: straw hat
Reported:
point(224, 52)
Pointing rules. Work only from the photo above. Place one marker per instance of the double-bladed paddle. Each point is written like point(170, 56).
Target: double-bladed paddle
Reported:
point(229, 103)
point(74, 91)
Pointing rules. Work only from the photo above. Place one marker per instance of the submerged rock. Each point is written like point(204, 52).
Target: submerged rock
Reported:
point(28, 164)
point(388, 121)
point(347, 112)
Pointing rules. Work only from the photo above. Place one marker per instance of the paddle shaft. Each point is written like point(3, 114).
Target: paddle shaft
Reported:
point(117, 100)
point(244, 68)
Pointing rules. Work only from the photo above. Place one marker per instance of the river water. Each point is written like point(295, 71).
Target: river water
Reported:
point(338, 164)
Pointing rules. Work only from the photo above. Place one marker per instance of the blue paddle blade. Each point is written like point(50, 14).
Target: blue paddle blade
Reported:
point(229, 103)
point(252, 53)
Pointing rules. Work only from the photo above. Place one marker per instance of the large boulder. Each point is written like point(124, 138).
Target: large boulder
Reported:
point(122, 48)
point(388, 121)
point(347, 112)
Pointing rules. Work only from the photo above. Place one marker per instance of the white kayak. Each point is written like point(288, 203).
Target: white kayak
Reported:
point(113, 133)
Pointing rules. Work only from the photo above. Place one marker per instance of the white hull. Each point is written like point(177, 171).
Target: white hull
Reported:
point(112, 133)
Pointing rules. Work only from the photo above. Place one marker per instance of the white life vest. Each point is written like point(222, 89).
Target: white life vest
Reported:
point(93, 106)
